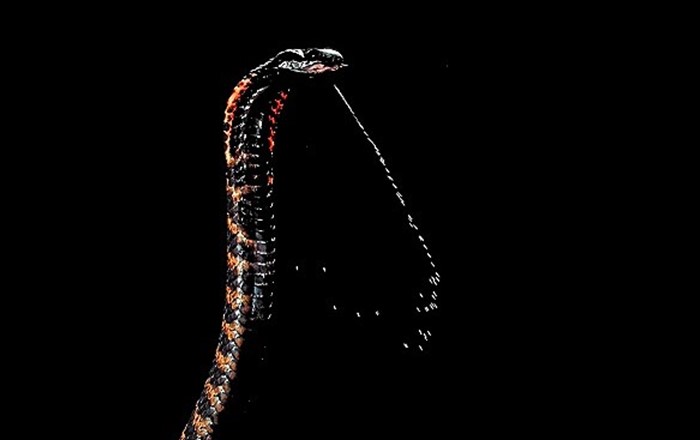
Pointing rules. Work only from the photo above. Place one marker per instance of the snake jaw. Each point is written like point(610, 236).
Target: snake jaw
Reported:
point(310, 67)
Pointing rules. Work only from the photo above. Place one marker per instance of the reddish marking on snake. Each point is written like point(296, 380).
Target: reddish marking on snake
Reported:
point(231, 260)
point(231, 106)
point(232, 227)
point(277, 106)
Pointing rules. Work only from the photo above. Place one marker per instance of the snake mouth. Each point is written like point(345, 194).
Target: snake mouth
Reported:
point(317, 67)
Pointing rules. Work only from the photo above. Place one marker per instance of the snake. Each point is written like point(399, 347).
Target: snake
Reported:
point(250, 126)
point(252, 113)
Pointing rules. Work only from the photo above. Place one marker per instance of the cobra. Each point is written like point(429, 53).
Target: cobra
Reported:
point(250, 124)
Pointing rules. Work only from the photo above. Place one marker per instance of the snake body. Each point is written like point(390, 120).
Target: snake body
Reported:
point(250, 124)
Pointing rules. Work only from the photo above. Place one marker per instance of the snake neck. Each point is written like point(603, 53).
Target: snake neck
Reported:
point(250, 124)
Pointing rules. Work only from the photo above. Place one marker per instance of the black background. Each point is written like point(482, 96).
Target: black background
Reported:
point(486, 138)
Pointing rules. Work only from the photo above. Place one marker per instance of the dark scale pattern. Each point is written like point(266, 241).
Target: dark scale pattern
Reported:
point(250, 122)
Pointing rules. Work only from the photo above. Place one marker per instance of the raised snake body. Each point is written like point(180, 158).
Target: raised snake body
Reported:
point(250, 122)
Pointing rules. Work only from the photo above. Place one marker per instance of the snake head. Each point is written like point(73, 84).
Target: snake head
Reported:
point(308, 61)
